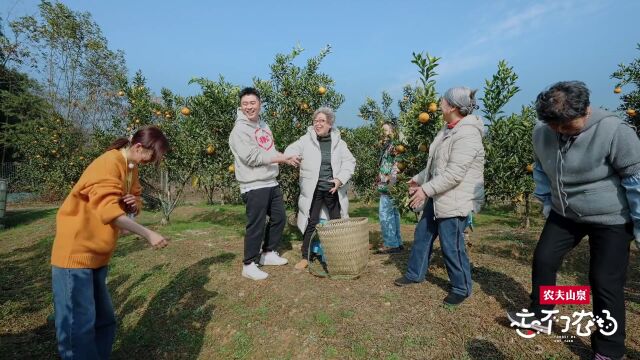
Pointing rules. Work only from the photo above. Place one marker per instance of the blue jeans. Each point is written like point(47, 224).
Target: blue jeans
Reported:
point(451, 232)
point(389, 222)
point(85, 322)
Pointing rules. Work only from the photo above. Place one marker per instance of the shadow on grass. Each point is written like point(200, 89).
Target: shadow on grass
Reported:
point(175, 320)
point(222, 216)
point(512, 296)
point(15, 218)
point(509, 293)
point(483, 349)
point(401, 260)
point(130, 244)
point(25, 291)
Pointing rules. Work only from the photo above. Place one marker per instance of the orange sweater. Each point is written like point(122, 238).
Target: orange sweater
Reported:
point(85, 235)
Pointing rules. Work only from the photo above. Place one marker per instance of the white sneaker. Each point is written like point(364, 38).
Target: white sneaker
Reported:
point(252, 272)
point(272, 258)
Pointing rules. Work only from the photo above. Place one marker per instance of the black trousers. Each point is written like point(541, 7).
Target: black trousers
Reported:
point(261, 203)
point(320, 198)
point(609, 257)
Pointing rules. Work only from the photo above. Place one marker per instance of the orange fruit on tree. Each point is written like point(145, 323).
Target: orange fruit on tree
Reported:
point(322, 90)
point(402, 166)
point(137, 121)
point(423, 147)
point(631, 112)
point(185, 111)
point(304, 106)
point(433, 107)
point(530, 168)
point(423, 117)
point(400, 149)
point(120, 93)
point(617, 90)
point(232, 169)
point(211, 149)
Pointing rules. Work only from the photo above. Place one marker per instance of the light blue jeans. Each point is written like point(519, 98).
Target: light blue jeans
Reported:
point(389, 222)
point(85, 322)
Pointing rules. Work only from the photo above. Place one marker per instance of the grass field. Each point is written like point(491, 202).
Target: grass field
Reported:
point(189, 301)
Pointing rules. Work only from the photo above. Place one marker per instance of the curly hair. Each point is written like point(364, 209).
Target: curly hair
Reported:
point(563, 102)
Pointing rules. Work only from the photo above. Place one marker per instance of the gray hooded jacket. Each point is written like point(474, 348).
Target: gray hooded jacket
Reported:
point(585, 170)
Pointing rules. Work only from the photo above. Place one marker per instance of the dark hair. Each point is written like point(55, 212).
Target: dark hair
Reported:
point(563, 102)
point(150, 137)
point(249, 91)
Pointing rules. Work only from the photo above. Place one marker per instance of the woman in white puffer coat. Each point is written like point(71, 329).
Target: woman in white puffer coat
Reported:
point(325, 170)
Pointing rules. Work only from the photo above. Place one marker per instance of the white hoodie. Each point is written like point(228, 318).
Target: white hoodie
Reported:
point(253, 147)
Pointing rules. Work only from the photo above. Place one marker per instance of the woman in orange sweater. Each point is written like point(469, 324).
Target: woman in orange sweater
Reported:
point(100, 206)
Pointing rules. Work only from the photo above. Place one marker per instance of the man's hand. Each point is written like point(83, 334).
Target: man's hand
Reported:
point(293, 160)
point(337, 183)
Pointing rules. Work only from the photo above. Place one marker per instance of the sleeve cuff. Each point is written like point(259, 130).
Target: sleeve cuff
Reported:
point(110, 213)
point(428, 190)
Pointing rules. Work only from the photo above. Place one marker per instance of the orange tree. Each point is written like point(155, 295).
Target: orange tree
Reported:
point(289, 98)
point(51, 152)
point(165, 184)
point(365, 144)
point(213, 115)
point(629, 74)
point(419, 122)
point(508, 146)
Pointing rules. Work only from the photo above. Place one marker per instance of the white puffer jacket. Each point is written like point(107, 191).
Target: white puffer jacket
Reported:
point(343, 165)
point(454, 176)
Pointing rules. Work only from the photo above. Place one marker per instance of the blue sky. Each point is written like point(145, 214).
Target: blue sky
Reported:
point(372, 41)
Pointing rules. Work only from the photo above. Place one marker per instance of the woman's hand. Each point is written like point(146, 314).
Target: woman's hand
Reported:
point(337, 183)
point(130, 204)
point(156, 240)
point(418, 197)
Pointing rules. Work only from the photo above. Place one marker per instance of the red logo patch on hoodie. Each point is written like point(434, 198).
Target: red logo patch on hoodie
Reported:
point(264, 138)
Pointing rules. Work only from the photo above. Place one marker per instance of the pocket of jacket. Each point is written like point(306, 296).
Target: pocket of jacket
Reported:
point(599, 201)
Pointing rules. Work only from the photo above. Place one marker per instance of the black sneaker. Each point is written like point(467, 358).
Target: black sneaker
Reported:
point(390, 250)
point(454, 299)
point(403, 281)
point(525, 322)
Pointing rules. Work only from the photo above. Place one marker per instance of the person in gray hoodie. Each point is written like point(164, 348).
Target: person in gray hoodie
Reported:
point(587, 175)
point(256, 168)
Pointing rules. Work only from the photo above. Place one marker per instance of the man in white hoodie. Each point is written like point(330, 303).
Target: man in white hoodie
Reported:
point(256, 167)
